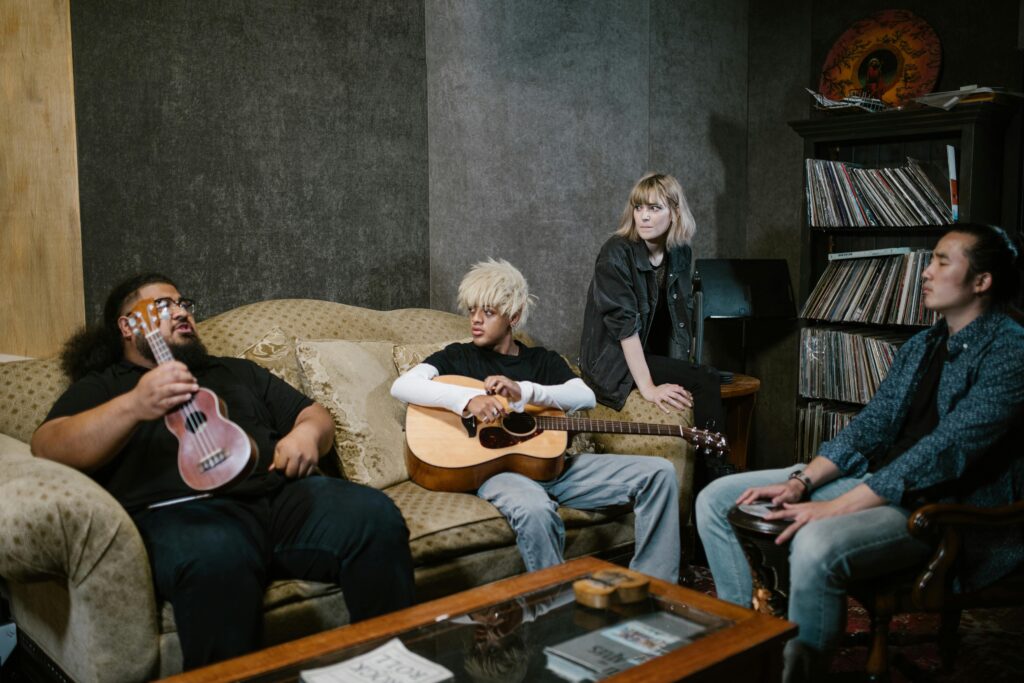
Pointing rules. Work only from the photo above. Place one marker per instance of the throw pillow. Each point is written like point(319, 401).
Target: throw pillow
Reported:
point(352, 379)
point(407, 356)
point(276, 352)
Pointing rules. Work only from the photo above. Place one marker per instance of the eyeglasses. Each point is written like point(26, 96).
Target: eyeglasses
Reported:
point(187, 305)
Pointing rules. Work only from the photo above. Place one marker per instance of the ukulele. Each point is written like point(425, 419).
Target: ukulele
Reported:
point(448, 452)
point(213, 452)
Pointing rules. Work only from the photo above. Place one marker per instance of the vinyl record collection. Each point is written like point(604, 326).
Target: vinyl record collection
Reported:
point(842, 195)
point(818, 422)
point(880, 289)
point(846, 364)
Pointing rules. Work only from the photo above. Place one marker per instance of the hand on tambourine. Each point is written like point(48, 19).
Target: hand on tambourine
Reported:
point(486, 408)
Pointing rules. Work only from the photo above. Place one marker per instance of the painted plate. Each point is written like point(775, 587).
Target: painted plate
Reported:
point(893, 55)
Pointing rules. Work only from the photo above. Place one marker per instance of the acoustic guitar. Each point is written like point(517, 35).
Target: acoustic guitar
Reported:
point(213, 452)
point(448, 452)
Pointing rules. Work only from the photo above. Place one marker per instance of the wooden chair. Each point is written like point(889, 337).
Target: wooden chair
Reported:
point(930, 589)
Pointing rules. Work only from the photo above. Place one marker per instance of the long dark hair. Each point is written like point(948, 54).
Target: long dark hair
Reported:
point(994, 252)
point(98, 346)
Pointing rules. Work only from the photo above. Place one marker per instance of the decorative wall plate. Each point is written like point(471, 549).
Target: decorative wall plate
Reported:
point(893, 55)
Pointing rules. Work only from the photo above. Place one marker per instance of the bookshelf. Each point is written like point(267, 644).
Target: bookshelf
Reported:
point(848, 356)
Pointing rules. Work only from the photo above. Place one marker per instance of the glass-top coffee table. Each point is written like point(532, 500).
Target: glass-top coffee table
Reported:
point(503, 628)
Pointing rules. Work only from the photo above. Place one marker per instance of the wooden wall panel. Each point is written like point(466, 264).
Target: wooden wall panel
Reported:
point(41, 292)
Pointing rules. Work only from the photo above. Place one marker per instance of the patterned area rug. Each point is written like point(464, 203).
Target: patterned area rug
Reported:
point(991, 644)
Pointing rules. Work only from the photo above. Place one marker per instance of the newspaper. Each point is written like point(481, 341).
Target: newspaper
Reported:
point(391, 662)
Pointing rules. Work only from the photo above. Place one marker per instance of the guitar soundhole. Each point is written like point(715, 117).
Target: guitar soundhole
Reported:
point(519, 424)
point(195, 420)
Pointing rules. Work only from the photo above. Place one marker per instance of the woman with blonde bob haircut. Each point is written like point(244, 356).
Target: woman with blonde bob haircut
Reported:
point(636, 327)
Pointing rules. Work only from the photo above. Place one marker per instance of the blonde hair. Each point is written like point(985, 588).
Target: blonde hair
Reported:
point(498, 285)
point(658, 188)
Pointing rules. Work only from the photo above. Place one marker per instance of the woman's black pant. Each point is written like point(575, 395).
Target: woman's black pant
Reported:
point(700, 380)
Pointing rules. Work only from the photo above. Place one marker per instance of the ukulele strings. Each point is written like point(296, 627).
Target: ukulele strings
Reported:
point(163, 355)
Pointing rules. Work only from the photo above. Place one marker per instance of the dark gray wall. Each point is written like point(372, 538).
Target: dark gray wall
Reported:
point(254, 150)
point(542, 116)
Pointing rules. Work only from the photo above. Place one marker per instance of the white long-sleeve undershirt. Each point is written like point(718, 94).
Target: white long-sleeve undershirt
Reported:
point(416, 387)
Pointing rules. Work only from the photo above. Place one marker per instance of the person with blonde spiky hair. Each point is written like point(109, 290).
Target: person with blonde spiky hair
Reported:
point(496, 297)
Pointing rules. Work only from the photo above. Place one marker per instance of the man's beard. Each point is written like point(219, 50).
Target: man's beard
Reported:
point(192, 352)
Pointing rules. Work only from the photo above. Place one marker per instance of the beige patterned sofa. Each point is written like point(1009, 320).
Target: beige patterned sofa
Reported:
point(74, 567)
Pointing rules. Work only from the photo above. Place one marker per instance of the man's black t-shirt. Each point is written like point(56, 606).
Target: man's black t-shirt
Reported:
point(146, 469)
point(535, 364)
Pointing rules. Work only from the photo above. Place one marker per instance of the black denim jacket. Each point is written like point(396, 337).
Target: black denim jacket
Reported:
point(621, 301)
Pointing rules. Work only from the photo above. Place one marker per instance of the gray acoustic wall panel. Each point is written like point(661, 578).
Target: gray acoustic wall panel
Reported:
point(542, 115)
point(254, 150)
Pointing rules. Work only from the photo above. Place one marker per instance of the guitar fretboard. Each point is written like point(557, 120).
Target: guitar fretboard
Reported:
point(585, 424)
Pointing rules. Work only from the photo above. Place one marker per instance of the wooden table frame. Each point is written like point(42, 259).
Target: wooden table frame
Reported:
point(752, 645)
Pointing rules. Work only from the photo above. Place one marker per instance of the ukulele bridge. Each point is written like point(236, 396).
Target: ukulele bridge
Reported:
point(212, 460)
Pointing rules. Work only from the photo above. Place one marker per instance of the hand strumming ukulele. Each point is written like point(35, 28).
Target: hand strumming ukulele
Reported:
point(447, 452)
point(213, 452)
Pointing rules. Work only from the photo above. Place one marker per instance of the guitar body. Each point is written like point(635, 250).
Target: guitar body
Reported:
point(213, 452)
point(444, 453)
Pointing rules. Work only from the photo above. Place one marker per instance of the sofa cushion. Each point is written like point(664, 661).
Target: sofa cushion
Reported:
point(275, 352)
point(9, 446)
point(352, 379)
point(408, 356)
point(28, 389)
point(444, 525)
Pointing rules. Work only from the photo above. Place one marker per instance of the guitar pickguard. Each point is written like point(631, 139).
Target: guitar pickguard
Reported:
point(496, 437)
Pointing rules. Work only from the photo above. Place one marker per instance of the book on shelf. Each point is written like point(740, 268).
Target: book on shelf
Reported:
point(391, 662)
point(602, 653)
point(818, 422)
point(846, 364)
point(882, 290)
point(867, 253)
point(845, 194)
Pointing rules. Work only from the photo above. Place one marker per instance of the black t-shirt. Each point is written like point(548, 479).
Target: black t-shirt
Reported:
point(146, 469)
point(535, 364)
point(661, 323)
point(922, 414)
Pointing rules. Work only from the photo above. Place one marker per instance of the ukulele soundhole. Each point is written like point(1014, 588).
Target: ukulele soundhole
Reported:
point(195, 420)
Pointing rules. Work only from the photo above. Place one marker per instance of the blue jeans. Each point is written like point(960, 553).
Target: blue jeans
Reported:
point(593, 482)
point(824, 556)
point(212, 559)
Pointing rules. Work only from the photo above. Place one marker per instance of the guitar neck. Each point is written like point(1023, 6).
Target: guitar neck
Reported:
point(159, 347)
point(583, 424)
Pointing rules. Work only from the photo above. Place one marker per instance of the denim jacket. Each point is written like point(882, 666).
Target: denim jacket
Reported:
point(973, 456)
point(621, 302)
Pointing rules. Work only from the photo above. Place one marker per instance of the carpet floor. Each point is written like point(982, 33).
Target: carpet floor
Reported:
point(991, 644)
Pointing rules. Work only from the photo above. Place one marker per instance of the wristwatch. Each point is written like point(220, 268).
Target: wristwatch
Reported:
point(803, 479)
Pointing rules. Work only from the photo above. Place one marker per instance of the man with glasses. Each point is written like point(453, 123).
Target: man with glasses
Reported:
point(212, 556)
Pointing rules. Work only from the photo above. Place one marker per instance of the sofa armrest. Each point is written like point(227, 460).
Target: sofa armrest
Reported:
point(676, 450)
point(77, 571)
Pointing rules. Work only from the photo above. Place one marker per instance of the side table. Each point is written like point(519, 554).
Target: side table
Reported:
point(738, 398)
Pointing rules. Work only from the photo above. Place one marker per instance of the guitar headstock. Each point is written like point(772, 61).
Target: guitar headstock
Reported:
point(707, 441)
point(145, 316)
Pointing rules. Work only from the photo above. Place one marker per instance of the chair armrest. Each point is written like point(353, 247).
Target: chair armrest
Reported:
point(928, 520)
point(943, 522)
point(77, 571)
